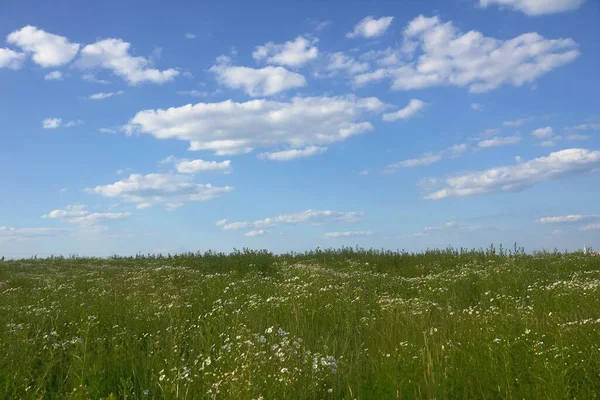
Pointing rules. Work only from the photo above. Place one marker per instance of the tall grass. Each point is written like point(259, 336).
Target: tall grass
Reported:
point(347, 323)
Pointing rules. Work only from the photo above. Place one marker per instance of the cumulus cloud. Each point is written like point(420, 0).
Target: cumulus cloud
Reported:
point(11, 59)
point(53, 76)
point(439, 54)
point(113, 54)
point(563, 219)
point(308, 216)
point(47, 49)
point(535, 7)
point(257, 82)
point(345, 234)
point(556, 165)
point(546, 136)
point(339, 61)
point(105, 95)
point(77, 214)
point(196, 166)
point(287, 155)
point(233, 128)
point(498, 141)
point(190, 36)
point(412, 109)
point(169, 190)
point(54, 123)
point(51, 123)
point(543, 133)
point(293, 54)
point(256, 232)
point(370, 27)
point(477, 106)
point(75, 122)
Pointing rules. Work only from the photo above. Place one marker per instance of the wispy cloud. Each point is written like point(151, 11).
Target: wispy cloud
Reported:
point(560, 164)
point(105, 95)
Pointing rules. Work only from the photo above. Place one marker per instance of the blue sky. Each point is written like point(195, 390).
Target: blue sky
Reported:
point(154, 127)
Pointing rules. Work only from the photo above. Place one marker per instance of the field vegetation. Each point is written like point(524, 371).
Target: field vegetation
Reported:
point(326, 324)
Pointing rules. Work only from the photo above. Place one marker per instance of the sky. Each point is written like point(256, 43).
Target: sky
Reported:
point(149, 127)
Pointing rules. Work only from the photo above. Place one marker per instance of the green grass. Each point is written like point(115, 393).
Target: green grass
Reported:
point(349, 323)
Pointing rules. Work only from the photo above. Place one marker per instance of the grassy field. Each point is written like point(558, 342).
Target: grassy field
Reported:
point(350, 323)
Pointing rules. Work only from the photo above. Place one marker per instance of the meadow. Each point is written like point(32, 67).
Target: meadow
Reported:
point(326, 324)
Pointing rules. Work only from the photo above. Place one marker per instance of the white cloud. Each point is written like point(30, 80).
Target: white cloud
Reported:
point(517, 122)
point(576, 136)
point(412, 109)
point(308, 216)
point(89, 77)
point(105, 95)
point(546, 136)
point(75, 122)
point(425, 159)
point(287, 155)
point(557, 165)
point(77, 214)
point(195, 166)
point(290, 54)
point(384, 58)
point(53, 76)
point(429, 158)
point(438, 54)
point(170, 190)
point(551, 142)
point(221, 222)
point(477, 106)
point(536, 7)
point(489, 132)
point(585, 127)
point(342, 62)
point(265, 81)
point(256, 232)
point(498, 141)
point(54, 123)
point(591, 227)
point(11, 59)
point(451, 226)
point(11, 233)
point(233, 128)
point(48, 50)
point(543, 133)
point(193, 93)
point(370, 27)
point(51, 123)
point(113, 54)
point(108, 130)
point(190, 36)
point(345, 234)
point(447, 225)
point(562, 219)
